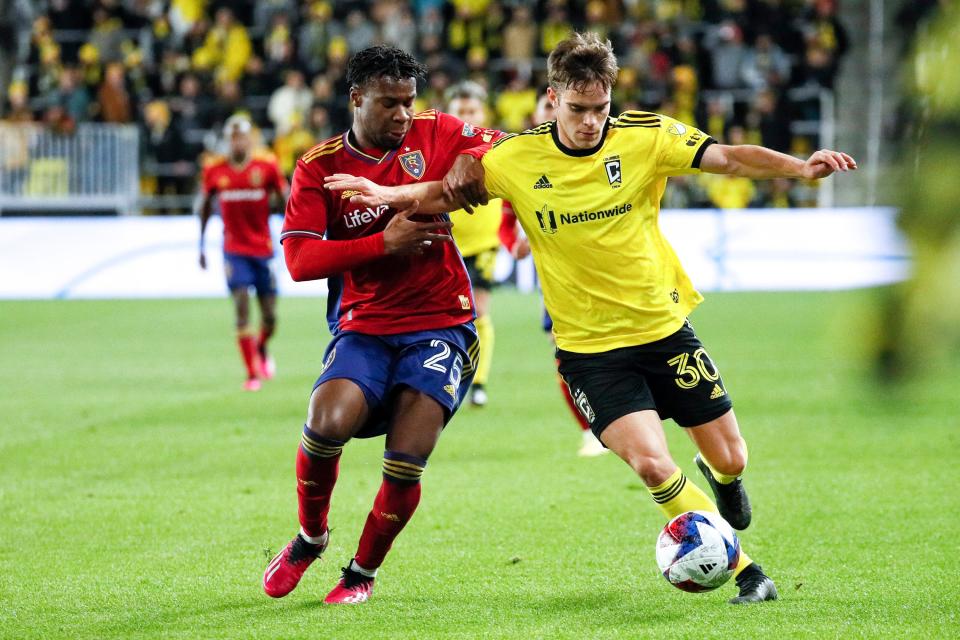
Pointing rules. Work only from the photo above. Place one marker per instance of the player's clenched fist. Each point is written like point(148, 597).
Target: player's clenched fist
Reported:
point(463, 185)
point(404, 236)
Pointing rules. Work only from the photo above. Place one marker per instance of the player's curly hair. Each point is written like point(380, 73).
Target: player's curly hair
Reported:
point(383, 62)
point(581, 60)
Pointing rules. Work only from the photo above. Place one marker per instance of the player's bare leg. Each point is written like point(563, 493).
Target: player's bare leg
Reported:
point(484, 324)
point(414, 431)
point(338, 409)
point(722, 459)
point(245, 339)
point(639, 440)
point(268, 324)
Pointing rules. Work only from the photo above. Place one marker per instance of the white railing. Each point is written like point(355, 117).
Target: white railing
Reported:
point(94, 169)
point(722, 250)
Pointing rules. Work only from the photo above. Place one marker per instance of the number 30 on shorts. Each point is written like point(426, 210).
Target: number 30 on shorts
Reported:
point(689, 373)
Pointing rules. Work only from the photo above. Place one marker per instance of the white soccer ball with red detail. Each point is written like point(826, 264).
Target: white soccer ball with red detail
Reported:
point(697, 551)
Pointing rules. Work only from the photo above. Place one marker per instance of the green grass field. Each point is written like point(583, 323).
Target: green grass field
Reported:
point(142, 492)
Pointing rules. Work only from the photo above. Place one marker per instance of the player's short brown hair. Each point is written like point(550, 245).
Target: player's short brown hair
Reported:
point(581, 60)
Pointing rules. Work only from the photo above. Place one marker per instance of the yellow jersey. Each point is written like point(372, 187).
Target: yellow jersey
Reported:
point(610, 279)
point(729, 192)
point(478, 232)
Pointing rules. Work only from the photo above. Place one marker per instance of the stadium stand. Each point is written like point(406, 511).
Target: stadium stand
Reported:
point(752, 71)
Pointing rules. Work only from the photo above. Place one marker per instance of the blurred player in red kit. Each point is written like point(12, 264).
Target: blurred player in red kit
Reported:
point(511, 236)
point(400, 309)
point(243, 182)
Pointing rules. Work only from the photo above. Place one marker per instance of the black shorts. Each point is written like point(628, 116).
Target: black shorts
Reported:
point(480, 268)
point(674, 376)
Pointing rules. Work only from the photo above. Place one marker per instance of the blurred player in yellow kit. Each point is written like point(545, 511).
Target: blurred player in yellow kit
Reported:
point(477, 236)
point(920, 330)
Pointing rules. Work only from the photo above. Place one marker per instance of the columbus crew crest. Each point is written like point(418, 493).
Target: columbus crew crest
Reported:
point(413, 163)
point(614, 171)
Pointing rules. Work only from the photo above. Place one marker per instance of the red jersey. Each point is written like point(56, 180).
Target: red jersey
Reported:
point(386, 294)
point(244, 194)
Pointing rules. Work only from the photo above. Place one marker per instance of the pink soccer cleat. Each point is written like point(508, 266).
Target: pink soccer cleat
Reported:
point(268, 368)
point(251, 384)
point(353, 588)
point(287, 567)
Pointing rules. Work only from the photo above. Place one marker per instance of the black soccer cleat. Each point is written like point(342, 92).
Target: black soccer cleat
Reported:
point(755, 586)
point(732, 500)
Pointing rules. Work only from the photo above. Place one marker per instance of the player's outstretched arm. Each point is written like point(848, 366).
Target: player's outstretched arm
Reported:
point(462, 188)
point(751, 161)
point(429, 195)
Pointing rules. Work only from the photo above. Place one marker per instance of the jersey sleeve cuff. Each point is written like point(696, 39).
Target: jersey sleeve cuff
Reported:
point(300, 233)
point(699, 155)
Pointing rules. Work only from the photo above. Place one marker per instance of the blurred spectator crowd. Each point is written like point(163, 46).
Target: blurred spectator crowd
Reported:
point(745, 71)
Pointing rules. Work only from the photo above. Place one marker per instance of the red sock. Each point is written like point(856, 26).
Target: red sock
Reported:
point(265, 335)
point(392, 509)
point(248, 349)
point(565, 390)
point(318, 465)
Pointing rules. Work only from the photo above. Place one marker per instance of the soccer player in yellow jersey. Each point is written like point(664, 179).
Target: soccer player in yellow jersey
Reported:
point(587, 190)
point(477, 237)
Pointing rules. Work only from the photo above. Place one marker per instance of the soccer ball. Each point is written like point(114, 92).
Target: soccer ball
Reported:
point(697, 551)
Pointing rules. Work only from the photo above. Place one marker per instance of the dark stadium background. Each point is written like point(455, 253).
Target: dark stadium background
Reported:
point(744, 70)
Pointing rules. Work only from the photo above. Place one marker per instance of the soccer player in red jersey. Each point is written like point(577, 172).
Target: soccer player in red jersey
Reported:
point(400, 309)
point(243, 183)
